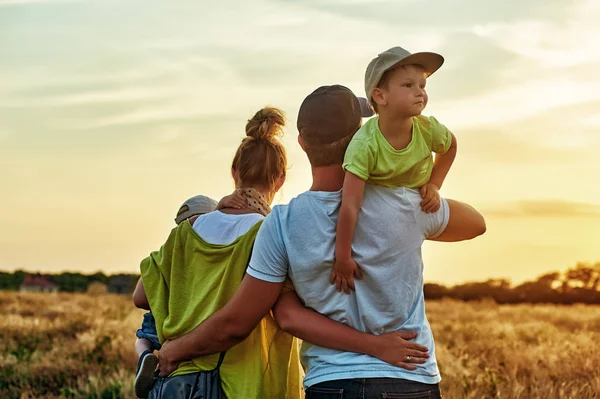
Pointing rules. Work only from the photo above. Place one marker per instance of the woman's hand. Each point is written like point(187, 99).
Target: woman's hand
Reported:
point(396, 349)
point(165, 365)
point(236, 200)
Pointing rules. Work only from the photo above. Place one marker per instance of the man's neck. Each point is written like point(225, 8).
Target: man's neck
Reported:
point(394, 128)
point(327, 178)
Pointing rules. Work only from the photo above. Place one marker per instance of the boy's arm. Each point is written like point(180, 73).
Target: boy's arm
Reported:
point(310, 326)
point(442, 164)
point(139, 296)
point(224, 328)
point(352, 196)
point(441, 167)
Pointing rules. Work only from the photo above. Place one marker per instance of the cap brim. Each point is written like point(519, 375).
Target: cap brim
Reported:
point(431, 62)
point(365, 109)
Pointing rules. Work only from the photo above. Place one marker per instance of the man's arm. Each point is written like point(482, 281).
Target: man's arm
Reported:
point(224, 328)
point(465, 223)
point(310, 326)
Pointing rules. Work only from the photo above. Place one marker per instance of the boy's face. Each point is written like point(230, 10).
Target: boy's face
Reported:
point(404, 94)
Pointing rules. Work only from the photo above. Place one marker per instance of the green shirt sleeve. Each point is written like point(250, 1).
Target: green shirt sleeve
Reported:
point(441, 138)
point(359, 159)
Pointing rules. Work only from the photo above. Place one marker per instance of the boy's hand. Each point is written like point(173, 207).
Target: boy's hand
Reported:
point(431, 198)
point(235, 200)
point(343, 274)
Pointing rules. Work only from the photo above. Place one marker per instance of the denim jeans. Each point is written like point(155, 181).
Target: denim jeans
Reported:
point(148, 331)
point(373, 388)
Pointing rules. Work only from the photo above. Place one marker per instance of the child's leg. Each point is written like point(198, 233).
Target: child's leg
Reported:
point(465, 223)
point(145, 345)
point(142, 345)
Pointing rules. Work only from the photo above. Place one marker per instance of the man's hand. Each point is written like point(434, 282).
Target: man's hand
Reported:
point(431, 198)
point(343, 274)
point(396, 349)
point(165, 366)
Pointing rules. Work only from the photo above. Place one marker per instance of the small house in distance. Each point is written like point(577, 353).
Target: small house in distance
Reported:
point(38, 283)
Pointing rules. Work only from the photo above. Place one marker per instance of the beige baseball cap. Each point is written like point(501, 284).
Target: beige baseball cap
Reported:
point(394, 57)
point(196, 205)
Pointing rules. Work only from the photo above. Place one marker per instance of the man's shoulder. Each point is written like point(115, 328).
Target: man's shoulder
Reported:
point(280, 211)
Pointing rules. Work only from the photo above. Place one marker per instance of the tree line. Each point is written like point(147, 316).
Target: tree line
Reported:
point(70, 281)
point(579, 284)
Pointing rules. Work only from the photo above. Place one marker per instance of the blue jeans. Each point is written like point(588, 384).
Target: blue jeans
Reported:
point(373, 388)
point(148, 331)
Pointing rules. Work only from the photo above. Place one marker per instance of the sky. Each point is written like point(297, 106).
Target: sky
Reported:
point(112, 113)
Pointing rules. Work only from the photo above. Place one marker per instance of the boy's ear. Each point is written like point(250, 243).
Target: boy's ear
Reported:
point(378, 96)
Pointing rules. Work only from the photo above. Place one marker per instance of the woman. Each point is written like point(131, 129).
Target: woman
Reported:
point(201, 265)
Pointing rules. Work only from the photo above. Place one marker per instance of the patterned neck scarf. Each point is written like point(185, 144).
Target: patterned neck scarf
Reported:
point(256, 201)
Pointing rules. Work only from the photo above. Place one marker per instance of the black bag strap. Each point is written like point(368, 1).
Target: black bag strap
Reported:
point(222, 355)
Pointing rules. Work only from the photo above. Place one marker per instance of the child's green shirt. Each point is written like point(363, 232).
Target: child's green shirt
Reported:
point(370, 157)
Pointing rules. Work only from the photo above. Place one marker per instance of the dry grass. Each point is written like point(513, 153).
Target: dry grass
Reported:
point(81, 346)
point(518, 351)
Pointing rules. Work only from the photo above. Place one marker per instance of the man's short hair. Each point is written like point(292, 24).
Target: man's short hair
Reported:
point(327, 120)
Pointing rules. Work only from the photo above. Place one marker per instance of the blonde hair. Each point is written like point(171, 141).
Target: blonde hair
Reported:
point(260, 160)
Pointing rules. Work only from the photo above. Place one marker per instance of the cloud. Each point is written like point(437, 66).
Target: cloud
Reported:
point(549, 44)
point(17, 2)
point(543, 209)
point(506, 147)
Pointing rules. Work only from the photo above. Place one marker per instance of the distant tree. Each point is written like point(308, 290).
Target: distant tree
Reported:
point(549, 280)
point(71, 282)
point(98, 276)
point(583, 276)
point(434, 291)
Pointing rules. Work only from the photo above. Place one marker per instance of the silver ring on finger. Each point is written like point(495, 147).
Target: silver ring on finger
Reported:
point(408, 357)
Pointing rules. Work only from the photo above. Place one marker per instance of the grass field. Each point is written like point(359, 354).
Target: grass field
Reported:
point(81, 346)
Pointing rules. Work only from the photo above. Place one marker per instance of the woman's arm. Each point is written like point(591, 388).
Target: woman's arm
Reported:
point(308, 325)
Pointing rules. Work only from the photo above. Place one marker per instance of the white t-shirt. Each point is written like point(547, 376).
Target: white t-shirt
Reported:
point(298, 240)
point(222, 228)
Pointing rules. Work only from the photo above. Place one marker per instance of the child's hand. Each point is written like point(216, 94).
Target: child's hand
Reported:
point(235, 201)
point(343, 274)
point(431, 198)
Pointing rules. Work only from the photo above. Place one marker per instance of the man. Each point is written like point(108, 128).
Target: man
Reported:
point(299, 240)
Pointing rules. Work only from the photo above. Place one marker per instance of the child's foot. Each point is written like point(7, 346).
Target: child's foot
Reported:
point(144, 378)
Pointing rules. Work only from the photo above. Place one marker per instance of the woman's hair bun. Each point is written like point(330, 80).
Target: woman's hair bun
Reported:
point(265, 124)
